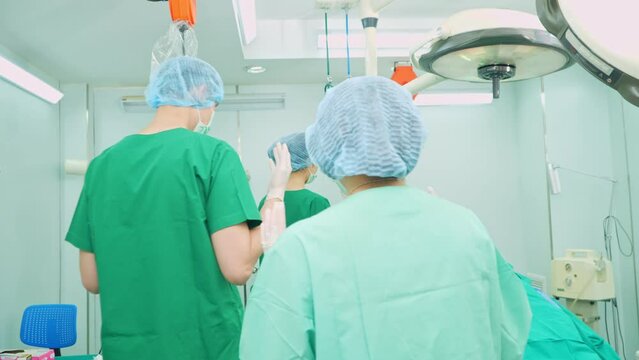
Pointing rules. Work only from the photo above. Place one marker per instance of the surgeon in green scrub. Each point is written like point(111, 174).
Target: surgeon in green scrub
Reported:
point(166, 225)
point(556, 333)
point(391, 272)
point(300, 202)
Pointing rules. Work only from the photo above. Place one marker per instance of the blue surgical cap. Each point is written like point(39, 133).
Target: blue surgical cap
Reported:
point(366, 126)
point(185, 81)
point(296, 144)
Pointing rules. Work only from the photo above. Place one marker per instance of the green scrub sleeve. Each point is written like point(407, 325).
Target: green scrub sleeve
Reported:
point(279, 323)
point(516, 315)
point(318, 205)
point(230, 200)
point(79, 234)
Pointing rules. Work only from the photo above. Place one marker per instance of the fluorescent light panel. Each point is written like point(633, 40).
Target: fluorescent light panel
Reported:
point(443, 99)
point(246, 17)
point(27, 81)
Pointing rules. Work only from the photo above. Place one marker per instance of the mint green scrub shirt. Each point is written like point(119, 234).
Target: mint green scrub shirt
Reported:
point(388, 273)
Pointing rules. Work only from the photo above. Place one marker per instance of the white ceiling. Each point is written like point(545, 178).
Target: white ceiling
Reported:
point(108, 42)
point(305, 9)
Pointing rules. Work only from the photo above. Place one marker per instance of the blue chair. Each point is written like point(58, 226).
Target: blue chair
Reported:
point(49, 326)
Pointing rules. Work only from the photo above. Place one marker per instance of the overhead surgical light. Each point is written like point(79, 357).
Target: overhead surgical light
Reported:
point(29, 82)
point(598, 35)
point(488, 45)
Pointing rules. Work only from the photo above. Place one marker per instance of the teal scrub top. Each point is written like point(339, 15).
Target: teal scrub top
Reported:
point(147, 210)
point(301, 204)
point(389, 273)
point(556, 333)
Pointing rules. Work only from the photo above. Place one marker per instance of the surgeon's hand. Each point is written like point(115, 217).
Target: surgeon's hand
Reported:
point(280, 172)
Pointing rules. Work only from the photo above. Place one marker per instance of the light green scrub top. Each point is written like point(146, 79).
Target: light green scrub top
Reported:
point(147, 210)
point(556, 333)
point(301, 204)
point(389, 273)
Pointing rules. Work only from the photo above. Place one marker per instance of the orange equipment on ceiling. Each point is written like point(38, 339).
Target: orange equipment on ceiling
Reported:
point(403, 74)
point(183, 10)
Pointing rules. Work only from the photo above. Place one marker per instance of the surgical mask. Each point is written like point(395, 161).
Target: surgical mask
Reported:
point(201, 127)
point(311, 177)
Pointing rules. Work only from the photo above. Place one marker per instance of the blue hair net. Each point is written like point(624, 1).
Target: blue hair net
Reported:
point(297, 147)
point(366, 126)
point(185, 81)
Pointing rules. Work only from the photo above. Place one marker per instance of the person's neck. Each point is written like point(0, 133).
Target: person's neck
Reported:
point(297, 181)
point(359, 183)
point(168, 118)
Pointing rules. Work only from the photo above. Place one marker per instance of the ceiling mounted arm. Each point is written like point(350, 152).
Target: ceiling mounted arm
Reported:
point(369, 11)
point(381, 4)
point(423, 82)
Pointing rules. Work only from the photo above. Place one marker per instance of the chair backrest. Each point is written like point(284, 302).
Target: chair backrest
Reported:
point(49, 326)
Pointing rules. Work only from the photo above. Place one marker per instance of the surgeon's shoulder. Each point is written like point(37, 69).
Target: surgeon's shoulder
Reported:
point(96, 163)
point(215, 147)
point(318, 200)
point(443, 211)
point(321, 198)
point(211, 141)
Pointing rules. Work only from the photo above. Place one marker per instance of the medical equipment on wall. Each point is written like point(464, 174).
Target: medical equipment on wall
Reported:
point(554, 180)
point(75, 167)
point(597, 35)
point(583, 277)
point(487, 45)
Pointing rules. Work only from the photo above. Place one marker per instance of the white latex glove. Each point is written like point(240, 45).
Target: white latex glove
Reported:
point(273, 224)
point(280, 171)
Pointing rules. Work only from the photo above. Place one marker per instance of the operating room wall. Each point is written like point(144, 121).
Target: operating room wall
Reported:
point(580, 125)
point(625, 145)
point(535, 221)
point(29, 204)
point(75, 145)
point(583, 134)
